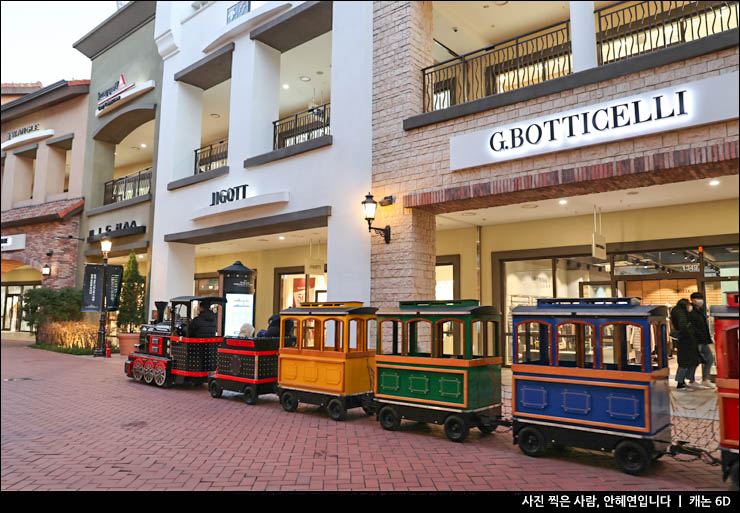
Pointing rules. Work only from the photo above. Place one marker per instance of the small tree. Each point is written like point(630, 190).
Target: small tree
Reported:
point(46, 305)
point(131, 311)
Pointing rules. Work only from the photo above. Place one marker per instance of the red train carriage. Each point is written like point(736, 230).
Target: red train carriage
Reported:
point(726, 340)
point(182, 350)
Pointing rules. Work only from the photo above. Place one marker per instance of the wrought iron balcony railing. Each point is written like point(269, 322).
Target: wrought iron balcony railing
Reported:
point(212, 156)
point(301, 127)
point(127, 187)
point(525, 60)
point(628, 29)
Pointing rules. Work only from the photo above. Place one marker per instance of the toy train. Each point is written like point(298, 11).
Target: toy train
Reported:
point(589, 373)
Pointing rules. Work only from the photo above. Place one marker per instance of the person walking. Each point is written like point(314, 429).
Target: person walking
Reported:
point(698, 319)
point(688, 352)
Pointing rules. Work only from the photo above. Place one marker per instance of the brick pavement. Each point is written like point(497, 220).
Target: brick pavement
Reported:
point(80, 424)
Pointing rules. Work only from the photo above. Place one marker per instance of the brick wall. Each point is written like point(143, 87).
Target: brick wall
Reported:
point(414, 165)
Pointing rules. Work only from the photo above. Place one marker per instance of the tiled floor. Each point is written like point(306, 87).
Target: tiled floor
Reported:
point(80, 424)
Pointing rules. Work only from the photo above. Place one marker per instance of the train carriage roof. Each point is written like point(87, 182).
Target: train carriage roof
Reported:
point(458, 307)
point(724, 312)
point(591, 307)
point(330, 309)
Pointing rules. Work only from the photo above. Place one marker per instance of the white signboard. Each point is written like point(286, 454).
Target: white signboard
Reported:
point(13, 242)
point(239, 310)
point(680, 106)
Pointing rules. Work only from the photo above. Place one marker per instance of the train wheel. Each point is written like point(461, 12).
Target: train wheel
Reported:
point(138, 371)
point(369, 410)
point(250, 394)
point(389, 419)
point(486, 428)
point(160, 375)
point(733, 474)
point(215, 389)
point(532, 442)
point(632, 458)
point(336, 410)
point(289, 401)
point(148, 372)
point(456, 429)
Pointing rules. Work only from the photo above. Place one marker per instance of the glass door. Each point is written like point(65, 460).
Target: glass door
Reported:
point(11, 312)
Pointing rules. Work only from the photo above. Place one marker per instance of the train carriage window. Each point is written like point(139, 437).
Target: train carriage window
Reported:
point(450, 339)
point(657, 345)
point(730, 351)
point(390, 336)
point(333, 335)
point(621, 347)
point(576, 345)
point(533, 340)
point(371, 335)
point(493, 339)
point(309, 334)
point(484, 337)
point(289, 331)
point(356, 335)
point(419, 337)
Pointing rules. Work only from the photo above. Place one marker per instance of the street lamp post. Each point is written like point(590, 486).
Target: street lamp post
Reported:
point(105, 246)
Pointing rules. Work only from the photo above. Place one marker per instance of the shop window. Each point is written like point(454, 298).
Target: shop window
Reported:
point(450, 339)
point(207, 287)
point(484, 337)
point(445, 282)
point(419, 338)
point(310, 334)
point(356, 336)
point(333, 331)
point(576, 345)
point(390, 336)
point(621, 347)
point(533, 340)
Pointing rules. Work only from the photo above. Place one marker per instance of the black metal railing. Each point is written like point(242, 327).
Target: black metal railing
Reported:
point(212, 156)
point(525, 60)
point(301, 127)
point(628, 29)
point(130, 186)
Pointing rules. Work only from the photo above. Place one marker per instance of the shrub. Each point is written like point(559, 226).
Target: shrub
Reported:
point(68, 334)
point(47, 305)
point(131, 311)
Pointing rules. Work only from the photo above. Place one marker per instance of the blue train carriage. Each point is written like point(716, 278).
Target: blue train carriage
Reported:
point(439, 362)
point(592, 373)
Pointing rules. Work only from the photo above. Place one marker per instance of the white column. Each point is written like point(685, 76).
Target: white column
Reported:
point(186, 130)
point(173, 269)
point(583, 35)
point(348, 247)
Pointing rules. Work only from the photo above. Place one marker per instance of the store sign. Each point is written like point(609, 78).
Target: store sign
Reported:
point(13, 242)
point(92, 288)
point(706, 101)
point(112, 229)
point(227, 195)
point(313, 266)
point(598, 246)
point(119, 93)
point(22, 131)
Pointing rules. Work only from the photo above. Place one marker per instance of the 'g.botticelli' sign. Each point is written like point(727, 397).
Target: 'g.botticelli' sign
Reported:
point(230, 194)
point(706, 101)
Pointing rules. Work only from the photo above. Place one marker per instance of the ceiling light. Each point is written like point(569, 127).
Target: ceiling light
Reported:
point(215, 116)
point(281, 238)
point(141, 256)
point(304, 78)
point(714, 183)
point(143, 145)
point(115, 153)
point(286, 86)
point(531, 205)
point(563, 202)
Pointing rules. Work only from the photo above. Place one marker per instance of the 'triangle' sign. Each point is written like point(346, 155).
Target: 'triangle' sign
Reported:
point(680, 106)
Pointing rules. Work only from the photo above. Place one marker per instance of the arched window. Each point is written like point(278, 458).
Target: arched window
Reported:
point(484, 338)
point(311, 334)
point(621, 346)
point(371, 334)
point(333, 335)
point(450, 339)
point(356, 336)
point(658, 343)
point(390, 337)
point(290, 332)
point(532, 342)
point(419, 337)
point(576, 345)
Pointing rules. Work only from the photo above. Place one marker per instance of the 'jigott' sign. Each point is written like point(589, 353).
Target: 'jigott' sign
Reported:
point(706, 101)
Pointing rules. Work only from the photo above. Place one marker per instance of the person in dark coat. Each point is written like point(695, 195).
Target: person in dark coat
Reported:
point(204, 325)
point(688, 351)
point(698, 319)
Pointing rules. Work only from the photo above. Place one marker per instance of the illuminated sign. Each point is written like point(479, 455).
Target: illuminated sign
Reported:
point(705, 101)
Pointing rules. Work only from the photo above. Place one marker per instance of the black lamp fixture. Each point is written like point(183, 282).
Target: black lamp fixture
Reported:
point(46, 270)
point(368, 207)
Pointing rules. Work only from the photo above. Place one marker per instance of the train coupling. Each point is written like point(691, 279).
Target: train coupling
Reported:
point(682, 448)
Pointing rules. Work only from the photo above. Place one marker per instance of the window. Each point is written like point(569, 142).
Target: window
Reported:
point(333, 339)
point(485, 339)
point(450, 339)
point(390, 337)
point(356, 340)
point(533, 339)
point(207, 287)
point(576, 345)
point(371, 335)
point(621, 347)
point(658, 345)
point(289, 332)
point(309, 334)
point(731, 350)
point(444, 93)
point(419, 337)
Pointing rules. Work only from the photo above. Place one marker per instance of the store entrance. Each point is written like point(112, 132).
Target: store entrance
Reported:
point(11, 313)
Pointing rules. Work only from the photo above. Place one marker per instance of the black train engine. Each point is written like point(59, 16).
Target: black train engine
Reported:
point(181, 350)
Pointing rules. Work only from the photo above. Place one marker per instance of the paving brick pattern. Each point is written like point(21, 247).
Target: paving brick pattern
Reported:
point(80, 424)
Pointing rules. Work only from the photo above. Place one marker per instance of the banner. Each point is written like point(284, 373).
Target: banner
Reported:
point(92, 288)
point(113, 279)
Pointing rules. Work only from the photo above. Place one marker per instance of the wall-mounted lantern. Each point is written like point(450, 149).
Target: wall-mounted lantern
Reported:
point(46, 270)
point(368, 207)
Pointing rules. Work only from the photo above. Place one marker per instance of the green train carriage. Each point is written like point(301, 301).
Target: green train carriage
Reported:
point(439, 362)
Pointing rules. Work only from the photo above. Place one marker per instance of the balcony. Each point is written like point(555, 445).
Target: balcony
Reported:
point(127, 187)
point(211, 157)
point(301, 127)
point(623, 30)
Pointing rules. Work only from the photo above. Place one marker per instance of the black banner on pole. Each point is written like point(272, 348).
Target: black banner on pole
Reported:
point(113, 278)
point(92, 289)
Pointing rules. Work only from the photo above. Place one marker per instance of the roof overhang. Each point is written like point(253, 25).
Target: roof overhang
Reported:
point(115, 28)
point(297, 26)
point(57, 92)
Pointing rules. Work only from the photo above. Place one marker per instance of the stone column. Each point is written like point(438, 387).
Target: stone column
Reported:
point(583, 35)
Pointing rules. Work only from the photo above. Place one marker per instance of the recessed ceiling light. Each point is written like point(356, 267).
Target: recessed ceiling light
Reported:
point(281, 238)
point(714, 183)
point(531, 205)
point(286, 86)
point(633, 193)
point(563, 202)
point(468, 213)
point(141, 256)
point(214, 115)
point(115, 153)
point(304, 78)
point(143, 145)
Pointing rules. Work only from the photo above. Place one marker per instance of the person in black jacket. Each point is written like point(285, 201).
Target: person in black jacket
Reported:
point(204, 325)
point(698, 319)
point(688, 351)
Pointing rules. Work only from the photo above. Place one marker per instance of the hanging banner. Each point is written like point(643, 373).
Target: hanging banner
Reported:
point(113, 280)
point(92, 288)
